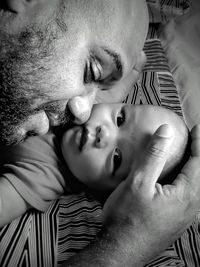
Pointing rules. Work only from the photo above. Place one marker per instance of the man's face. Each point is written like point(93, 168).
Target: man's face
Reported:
point(57, 56)
point(101, 152)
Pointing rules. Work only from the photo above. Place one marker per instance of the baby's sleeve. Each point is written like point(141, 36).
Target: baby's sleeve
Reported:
point(33, 169)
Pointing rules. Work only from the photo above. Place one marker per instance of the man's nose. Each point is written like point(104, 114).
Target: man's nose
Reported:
point(103, 136)
point(81, 106)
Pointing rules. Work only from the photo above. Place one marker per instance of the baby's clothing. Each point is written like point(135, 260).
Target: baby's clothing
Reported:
point(36, 169)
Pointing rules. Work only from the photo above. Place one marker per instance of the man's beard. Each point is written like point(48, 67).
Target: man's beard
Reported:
point(24, 77)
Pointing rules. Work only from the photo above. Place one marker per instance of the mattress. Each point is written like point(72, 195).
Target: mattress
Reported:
point(180, 38)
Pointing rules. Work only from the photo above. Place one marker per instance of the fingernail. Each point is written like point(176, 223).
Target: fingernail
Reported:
point(165, 131)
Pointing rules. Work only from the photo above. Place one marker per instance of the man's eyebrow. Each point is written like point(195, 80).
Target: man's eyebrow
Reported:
point(116, 59)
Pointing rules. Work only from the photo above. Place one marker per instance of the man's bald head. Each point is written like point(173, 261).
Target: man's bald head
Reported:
point(53, 51)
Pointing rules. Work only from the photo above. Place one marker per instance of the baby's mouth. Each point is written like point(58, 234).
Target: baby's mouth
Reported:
point(84, 137)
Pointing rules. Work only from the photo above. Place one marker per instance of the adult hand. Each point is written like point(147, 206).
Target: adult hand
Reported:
point(144, 217)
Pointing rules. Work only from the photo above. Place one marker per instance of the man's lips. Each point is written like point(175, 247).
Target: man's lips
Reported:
point(53, 118)
point(56, 119)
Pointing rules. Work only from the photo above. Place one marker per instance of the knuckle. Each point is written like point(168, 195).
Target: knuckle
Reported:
point(156, 152)
point(137, 181)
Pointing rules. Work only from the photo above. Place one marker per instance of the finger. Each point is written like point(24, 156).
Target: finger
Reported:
point(195, 132)
point(154, 160)
point(195, 146)
point(190, 174)
point(187, 186)
point(188, 181)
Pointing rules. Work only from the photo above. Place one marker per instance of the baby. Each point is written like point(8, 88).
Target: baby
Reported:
point(99, 154)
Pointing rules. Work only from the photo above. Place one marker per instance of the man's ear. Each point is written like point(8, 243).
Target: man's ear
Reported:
point(20, 6)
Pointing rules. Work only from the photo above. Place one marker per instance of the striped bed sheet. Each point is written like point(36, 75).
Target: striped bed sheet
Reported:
point(164, 10)
point(48, 239)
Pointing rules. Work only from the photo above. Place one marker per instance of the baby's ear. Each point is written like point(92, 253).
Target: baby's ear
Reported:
point(140, 61)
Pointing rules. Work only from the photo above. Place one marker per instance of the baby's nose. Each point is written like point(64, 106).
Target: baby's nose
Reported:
point(102, 136)
point(80, 107)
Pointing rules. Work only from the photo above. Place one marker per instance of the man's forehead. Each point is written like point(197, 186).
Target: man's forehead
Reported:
point(104, 8)
point(107, 19)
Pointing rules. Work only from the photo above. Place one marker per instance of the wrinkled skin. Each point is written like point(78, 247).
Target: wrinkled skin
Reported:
point(61, 56)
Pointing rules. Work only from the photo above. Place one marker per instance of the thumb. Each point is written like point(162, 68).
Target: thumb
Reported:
point(195, 146)
point(151, 165)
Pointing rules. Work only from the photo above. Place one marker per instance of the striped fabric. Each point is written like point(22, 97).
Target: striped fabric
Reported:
point(48, 239)
point(31, 240)
point(80, 218)
point(39, 239)
point(163, 10)
point(156, 85)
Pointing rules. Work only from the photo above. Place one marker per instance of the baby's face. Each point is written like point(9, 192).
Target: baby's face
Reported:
point(100, 153)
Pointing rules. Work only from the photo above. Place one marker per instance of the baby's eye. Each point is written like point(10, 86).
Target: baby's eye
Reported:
point(117, 160)
point(121, 118)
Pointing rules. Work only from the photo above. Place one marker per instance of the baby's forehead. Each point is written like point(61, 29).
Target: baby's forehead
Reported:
point(171, 115)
